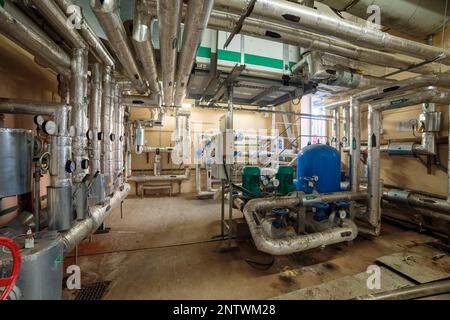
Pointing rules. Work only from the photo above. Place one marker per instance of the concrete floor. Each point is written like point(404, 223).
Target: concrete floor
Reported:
point(162, 249)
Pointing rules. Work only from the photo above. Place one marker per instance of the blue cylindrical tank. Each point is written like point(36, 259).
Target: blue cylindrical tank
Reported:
point(322, 161)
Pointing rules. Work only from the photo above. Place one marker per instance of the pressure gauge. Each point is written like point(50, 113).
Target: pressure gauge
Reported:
point(39, 120)
point(276, 183)
point(49, 127)
point(90, 135)
point(70, 166)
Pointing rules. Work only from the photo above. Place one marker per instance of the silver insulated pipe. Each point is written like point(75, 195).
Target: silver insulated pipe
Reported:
point(193, 30)
point(18, 27)
point(299, 16)
point(169, 15)
point(142, 41)
point(108, 16)
point(107, 129)
point(95, 116)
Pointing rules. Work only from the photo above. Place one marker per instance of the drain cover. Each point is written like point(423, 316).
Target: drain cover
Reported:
point(94, 291)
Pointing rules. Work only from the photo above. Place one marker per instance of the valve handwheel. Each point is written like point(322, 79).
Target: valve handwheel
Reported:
point(8, 283)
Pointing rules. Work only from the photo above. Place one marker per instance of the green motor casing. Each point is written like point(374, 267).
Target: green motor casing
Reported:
point(285, 176)
point(251, 182)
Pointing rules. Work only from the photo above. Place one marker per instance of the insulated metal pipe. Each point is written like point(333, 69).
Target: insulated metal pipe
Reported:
point(88, 34)
point(346, 232)
point(336, 130)
point(50, 10)
point(17, 27)
point(355, 143)
point(95, 110)
point(108, 16)
point(107, 129)
point(416, 200)
point(169, 14)
point(78, 100)
point(98, 214)
point(193, 24)
point(142, 41)
point(448, 163)
point(118, 114)
point(412, 292)
point(299, 16)
point(374, 174)
point(345, 123)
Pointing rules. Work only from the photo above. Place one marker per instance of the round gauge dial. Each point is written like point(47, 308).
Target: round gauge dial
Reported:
point(39, 120)
point(49, 127)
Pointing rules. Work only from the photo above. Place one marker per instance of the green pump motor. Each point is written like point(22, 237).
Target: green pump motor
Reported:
point(251, 182)
point(285, 177)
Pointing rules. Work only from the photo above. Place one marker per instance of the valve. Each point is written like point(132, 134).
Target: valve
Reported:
point(8, 283)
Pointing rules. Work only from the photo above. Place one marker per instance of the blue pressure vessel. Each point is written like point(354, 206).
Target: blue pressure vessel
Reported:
point(322, 161)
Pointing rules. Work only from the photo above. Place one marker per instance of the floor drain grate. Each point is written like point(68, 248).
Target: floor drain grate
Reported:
point(94, 291)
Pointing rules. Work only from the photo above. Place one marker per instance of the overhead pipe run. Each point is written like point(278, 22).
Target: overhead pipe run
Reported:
point(169, 15)
point(193, 29)
point(89, 35)
point(298, 16)
point(108, 16)
point(58, 20)
point(20, 29)
point(144, 49)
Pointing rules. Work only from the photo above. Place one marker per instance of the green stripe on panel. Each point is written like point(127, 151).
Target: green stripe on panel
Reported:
point(226, 55)
point(263, 61)
point(204, 52)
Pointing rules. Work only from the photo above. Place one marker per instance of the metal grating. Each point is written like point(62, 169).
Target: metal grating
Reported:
point(94, 291)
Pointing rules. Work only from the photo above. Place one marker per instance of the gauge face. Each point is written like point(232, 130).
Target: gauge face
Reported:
point(70, 166)
point(90, 134)
point(39, 120)
point(49, 127)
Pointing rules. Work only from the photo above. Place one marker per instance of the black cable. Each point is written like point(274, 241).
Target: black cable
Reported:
point(260, 265)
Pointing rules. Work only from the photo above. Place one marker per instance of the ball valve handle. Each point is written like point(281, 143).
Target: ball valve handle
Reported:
point(8, 283)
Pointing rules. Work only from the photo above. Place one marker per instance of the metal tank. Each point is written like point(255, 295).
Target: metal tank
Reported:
point(41, 269)
point(16, 158)
point(318, 169)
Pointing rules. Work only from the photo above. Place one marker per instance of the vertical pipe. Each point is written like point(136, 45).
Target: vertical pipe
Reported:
point(230, 165)
point(37, 199)
point(78, 100)
point(336, 130)
point(95, 116)
point(373, 160)
point(107, 118)
point(345, 122)
point(355, 123)
point(169, 12)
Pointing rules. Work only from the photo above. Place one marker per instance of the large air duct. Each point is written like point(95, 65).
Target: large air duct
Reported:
point(298, 16)
point(169, 14)
point(193, 24)
point(144, 49)
point(108, 16)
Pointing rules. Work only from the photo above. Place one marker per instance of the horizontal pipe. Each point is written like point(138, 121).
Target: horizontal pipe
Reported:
point(416, 200)
point(89, 35)
point(108, 16)
point(144, 49)
point(98, 214)
point(17, 27)
point(299, 16)
point(346, 232)
point(412, 292)
point(50, 10)
point(147, 178)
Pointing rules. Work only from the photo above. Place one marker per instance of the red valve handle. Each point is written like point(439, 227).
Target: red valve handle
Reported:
point(9, 282)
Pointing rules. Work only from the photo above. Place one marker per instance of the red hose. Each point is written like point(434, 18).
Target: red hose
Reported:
point(9, 282)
